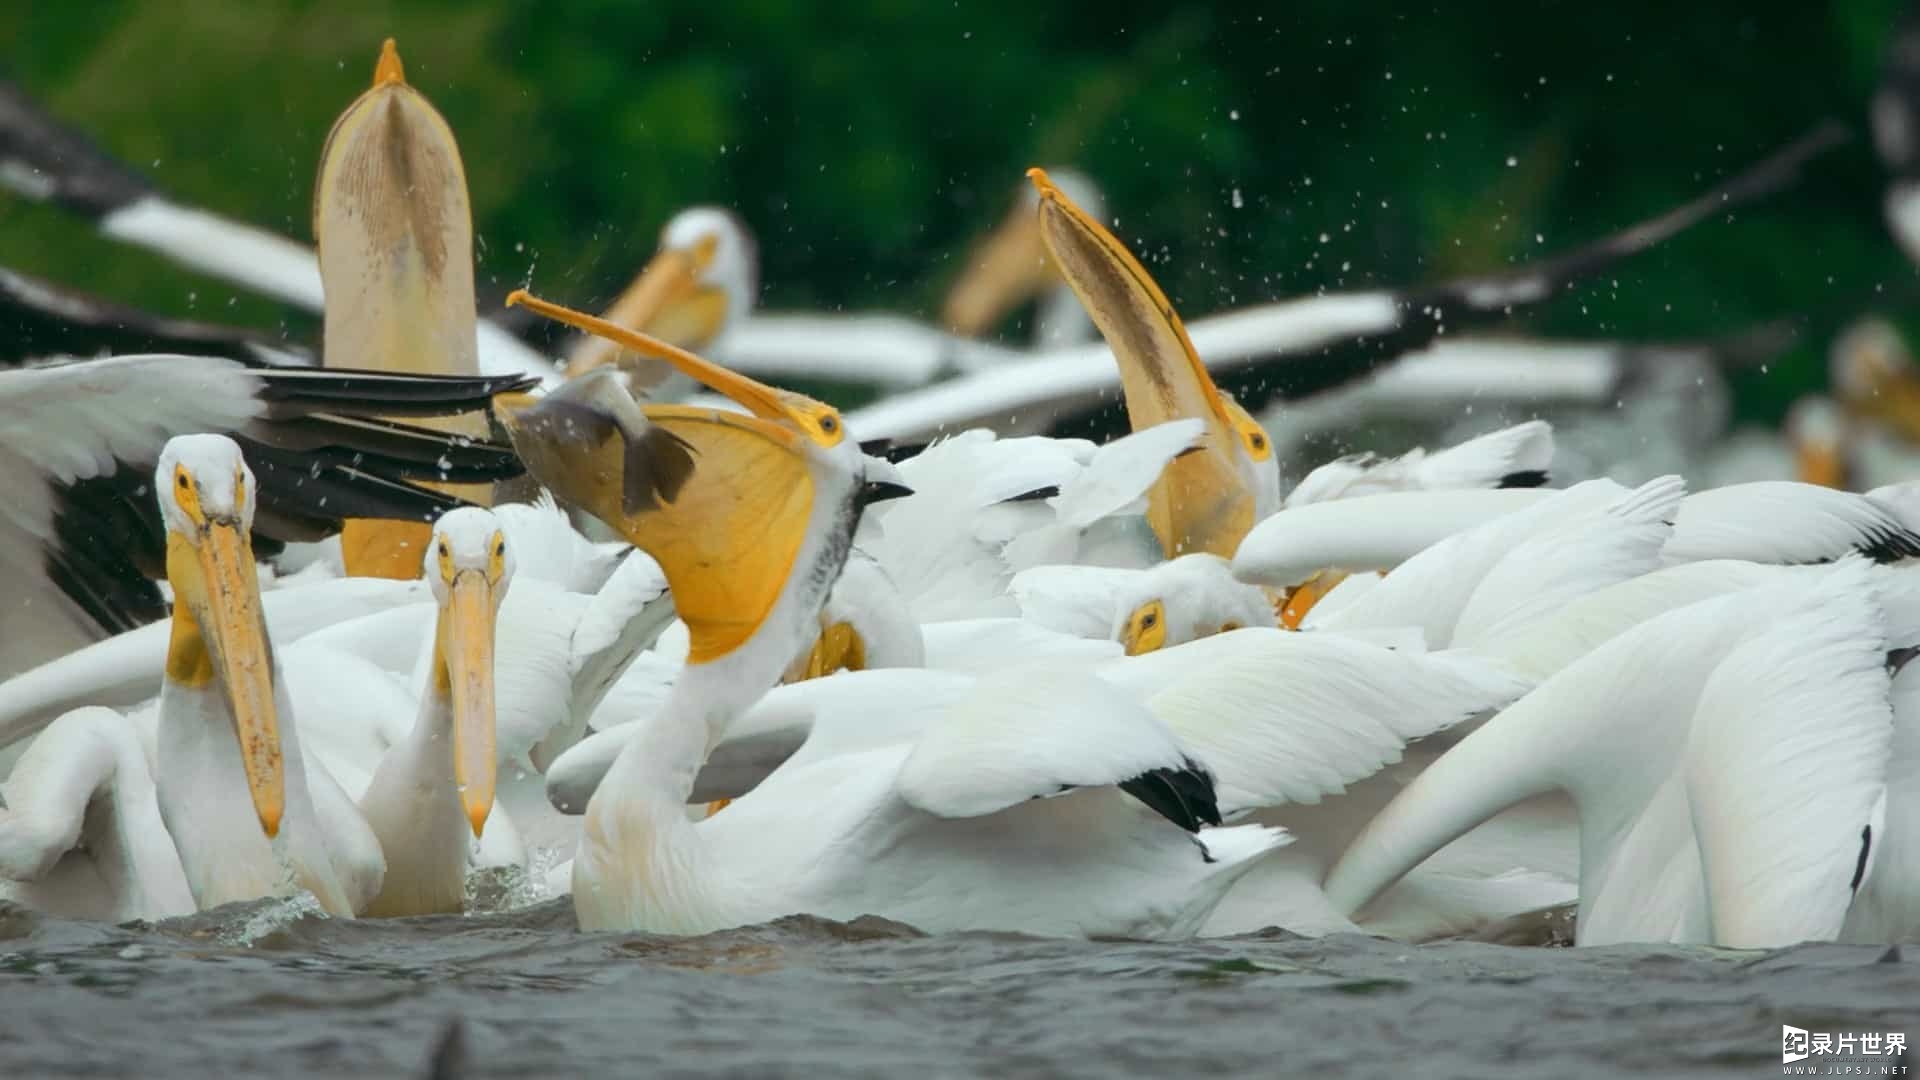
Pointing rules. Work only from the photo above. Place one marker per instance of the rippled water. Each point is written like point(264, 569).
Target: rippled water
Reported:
point(267, 989)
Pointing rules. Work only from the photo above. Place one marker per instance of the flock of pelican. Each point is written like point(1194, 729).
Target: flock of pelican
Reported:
point(700, 652)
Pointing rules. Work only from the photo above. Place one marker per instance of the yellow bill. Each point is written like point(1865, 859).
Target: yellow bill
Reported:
point(465, 666)
point(1201, 502)
point(218, 630)
point(818, 422)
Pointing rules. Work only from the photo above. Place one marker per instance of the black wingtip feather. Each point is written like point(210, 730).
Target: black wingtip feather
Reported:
point(1526, 478)
point(892, 450)
point(1890, 545)
point(1860, 864)
point(1184, 796)
point(381, 393)
point(107, 544)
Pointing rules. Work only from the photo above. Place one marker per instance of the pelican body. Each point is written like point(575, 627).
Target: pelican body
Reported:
point(433, 787)
point(234, 790)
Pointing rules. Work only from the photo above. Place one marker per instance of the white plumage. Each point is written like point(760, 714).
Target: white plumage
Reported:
point(1646, 734)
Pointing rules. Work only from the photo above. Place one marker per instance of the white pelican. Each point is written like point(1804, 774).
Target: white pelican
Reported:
point(394, 232)
point(148, 816)
point(1728, 761)
point(430, 789)
point(247, 815)
point(1202, 501)
point(565, 637)
point(81, 534)
point(776, 496)
point(1010, 267)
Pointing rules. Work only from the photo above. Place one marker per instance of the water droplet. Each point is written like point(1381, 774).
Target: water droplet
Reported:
point(1512, 161)
point(1238, 202)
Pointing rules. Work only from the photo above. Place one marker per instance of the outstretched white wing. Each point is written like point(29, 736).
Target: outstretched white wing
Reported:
point(1297, 717)
point(1786, 774)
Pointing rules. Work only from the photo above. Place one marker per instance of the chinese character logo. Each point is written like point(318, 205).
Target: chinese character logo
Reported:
point(1793, 1044)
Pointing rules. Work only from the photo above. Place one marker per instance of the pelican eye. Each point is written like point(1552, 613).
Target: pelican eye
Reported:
point(1147, 620)
point(829, 425)
point(1259, 442)
point(444, 553)
point(499, 548)
point(181, 479)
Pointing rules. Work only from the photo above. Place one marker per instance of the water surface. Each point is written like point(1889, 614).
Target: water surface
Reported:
point(270, 989)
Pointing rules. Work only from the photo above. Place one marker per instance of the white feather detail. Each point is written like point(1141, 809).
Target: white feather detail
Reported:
point(1786, 765)
point(1301, 716)
point(1030, 734)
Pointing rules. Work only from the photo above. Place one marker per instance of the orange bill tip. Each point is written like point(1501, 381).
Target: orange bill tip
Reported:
point(389, 71)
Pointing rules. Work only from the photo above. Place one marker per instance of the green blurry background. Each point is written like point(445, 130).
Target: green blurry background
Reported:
point(869, 142)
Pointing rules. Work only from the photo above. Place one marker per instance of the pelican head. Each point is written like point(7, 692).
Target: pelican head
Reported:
point(1011, 265)
point(1204, 501)
point(725, 503)
point(1873, 375)
point(699, 284)
point(1185, 599)
point(219, 634)
point(469, 565)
